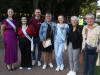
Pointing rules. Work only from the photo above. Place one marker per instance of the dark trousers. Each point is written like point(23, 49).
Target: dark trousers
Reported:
point(25, 48)
point(36, 41)
point(89, 63)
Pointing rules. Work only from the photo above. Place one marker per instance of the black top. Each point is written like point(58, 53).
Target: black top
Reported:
point(71, 36)
point(70, 25)
point(75, 37)
point(48, 35)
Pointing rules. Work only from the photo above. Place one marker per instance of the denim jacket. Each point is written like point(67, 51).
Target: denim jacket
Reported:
point(64, 30)
point(43, 30)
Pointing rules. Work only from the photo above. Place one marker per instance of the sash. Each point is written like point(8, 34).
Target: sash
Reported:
point(14, 27)
point(31, 39)
point(62, 36)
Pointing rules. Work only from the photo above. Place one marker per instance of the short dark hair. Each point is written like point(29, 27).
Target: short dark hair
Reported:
point(20, 25)
point(37, 9)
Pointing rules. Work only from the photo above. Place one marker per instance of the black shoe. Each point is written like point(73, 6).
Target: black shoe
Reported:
point(13, 68)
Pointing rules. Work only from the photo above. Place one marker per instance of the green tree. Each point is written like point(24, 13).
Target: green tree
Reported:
point(88, 8)
point(56, 7)
point(98, 16)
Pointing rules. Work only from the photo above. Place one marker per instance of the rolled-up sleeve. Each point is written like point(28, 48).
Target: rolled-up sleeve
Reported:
point(99, 33)
point(83, 39)
point(99, 37)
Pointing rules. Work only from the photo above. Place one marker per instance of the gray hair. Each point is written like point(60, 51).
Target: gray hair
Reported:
point(75, 18)
point(90, 15)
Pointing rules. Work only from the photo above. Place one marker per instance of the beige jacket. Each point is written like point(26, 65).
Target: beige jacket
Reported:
point(94, 36)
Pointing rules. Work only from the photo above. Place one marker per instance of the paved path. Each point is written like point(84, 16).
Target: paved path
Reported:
point(35, 69)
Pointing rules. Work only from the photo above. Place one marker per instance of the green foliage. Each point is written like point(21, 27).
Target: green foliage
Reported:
point(98, 16)
point(97, 70)
point(98, 23)
point(88, 8)
point(56, 7)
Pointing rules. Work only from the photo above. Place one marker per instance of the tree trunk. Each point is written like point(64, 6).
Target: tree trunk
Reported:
point(49, 5)
point(54, 8)
point(35, 4)
point(34, 1)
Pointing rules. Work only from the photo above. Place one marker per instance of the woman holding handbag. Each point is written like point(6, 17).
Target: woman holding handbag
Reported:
point(46, 38)
point(74, 45)
point(8, 32)
point(25, 33)
point(60, 39)
point(90, 44)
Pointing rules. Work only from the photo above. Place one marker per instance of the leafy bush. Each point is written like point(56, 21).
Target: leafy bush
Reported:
point(98, 23)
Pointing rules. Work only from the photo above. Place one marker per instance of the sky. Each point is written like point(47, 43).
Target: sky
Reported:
point(99, 2)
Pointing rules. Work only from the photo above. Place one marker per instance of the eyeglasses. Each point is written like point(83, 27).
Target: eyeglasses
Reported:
point(37, 12)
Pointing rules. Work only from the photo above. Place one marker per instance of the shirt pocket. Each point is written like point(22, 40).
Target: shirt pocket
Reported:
point(44, 29)
point(94, 36)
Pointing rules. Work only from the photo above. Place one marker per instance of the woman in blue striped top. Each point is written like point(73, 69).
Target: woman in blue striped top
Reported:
point(59, 41)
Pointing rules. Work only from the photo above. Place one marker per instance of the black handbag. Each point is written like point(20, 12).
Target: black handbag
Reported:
point(90, 50)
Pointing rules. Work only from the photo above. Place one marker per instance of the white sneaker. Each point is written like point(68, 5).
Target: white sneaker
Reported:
point(39, 63)
point(44, 66)
point(29, 68)
point(70, 73)
point(62, 67)
point(73, 73)
point(58, 68)
point(33, 62)
point(20, 68)
point(51, 65)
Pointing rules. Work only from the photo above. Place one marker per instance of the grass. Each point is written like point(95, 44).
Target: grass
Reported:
point(97, 70)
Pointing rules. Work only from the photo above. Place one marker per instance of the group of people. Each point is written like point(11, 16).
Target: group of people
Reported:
point(47, 36)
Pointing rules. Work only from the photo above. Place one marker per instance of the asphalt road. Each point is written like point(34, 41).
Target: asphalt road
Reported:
point(35, 69)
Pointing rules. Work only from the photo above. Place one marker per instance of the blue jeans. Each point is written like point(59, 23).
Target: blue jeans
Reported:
point(89, 63)
point(36, 41)
point(59, 47)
